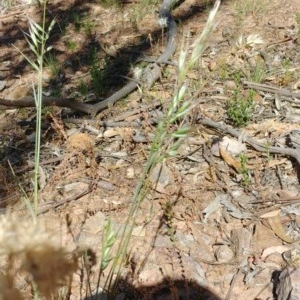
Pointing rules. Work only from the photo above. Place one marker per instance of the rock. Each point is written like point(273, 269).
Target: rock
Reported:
point(224, 254)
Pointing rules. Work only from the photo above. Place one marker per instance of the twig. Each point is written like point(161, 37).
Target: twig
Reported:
point(103, 123)
point(118, 121)
point(295, 153)
point(139, 110)
point(47, 101)
point(270, 89)
point(59, 203)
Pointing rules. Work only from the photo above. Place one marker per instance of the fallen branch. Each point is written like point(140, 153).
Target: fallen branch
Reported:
point(43, 209)
point(270, 89)
point(295, 153)
point(47, 101)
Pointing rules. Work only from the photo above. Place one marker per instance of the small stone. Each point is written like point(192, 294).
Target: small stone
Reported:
point(130, 173)
point(223, 253)
point(212, 65)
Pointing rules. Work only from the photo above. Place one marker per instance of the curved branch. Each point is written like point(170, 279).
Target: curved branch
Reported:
point(47, 101)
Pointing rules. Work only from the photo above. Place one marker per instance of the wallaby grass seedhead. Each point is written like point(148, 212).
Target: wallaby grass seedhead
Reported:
point(50, 267)
point(28, 248)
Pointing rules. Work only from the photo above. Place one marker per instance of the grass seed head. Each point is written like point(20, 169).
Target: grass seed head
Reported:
point(27, 247)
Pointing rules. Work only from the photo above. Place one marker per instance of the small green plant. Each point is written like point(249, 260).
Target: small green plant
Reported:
point(258, 74)
point(76, 20)
point(168, 217)
point(244, 170)
point(83, 89)
point(286, 63)
point(71, 45)
point(82, 22)
point(108, 240)
point(52, 64)
point(288, 74)
point(224, 72)
point(88, 27)
point(237, 77)
point(97, 76)
point(240, 108)
point(267, 145)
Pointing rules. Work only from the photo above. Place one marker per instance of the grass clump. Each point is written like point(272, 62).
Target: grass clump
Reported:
point(258, 74)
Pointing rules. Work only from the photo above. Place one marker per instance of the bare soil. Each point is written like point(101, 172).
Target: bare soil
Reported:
point(211, 220)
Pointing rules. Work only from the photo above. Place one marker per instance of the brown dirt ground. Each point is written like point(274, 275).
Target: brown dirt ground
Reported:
point(205, 221)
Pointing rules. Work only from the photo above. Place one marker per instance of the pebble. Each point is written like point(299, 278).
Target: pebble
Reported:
point(223, 253)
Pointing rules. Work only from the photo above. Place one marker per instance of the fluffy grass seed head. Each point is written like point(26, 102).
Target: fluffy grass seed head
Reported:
point(49, 265)
point(200, 42)
point(249, 41)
